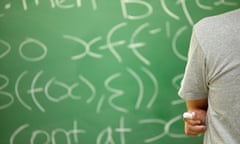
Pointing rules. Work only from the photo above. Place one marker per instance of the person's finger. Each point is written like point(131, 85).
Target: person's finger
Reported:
point(192, 122)
point(193, 130)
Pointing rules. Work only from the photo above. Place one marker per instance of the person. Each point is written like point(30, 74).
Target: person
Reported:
point(211, 82)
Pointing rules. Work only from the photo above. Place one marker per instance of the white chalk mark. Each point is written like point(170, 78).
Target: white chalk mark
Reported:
point(100, 102)
point(69, 90)
point(136, 45)
point(133, 45)
point(3, 93)
point(16, 132)
point(113, 44)
point(176, 79)
point(33, 90)
point(141, 88)
point(60, 4)
point(5, 78)
point(75, 131)
point(79, 3)
point(155, 31)
point(94, 4)
point(139, 2)
point(64, 132)
point(165, 8)
point(122, 130)
point(185, 10)
point(203, 6)
point(46, 90)
point(109, 137)
point(154, 121)
point(155, 85)
point(86, 45)
point(168, 126)
point(115, 93)
point(38, 43)
point(40, 132)
point(177, 102)
point(7, 6)
point(174, 44)
point(25, 5)
point(223, 2)
point(91, 87)
point(9, 95)
point(17, 91)
point(109, 41)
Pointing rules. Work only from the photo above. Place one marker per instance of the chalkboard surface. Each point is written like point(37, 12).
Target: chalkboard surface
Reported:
point(96, 71)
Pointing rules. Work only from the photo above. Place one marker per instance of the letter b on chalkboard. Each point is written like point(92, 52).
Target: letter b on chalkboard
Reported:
point(135, 5)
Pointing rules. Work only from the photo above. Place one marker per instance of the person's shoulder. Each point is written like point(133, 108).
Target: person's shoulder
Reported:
point(217, 21)
point(223, 17)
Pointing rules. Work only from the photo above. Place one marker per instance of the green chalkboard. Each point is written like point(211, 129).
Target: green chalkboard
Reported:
point(96, 71)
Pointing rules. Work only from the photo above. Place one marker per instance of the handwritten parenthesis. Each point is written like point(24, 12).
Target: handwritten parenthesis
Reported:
point(36, 90)
point(14, 135)
point(134, 46)
point(17, 91)
point(185, 10)
point(155, 83)
point(171, 14)
point(141, 87)
point(92, 88)
point(175, 79)
point(7, 46)
point(174, 44)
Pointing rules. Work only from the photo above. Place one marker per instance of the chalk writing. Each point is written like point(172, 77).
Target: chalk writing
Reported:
point(105, 134)
point(49, 87)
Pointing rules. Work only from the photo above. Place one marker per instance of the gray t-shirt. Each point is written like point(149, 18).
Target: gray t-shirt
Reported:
point(213, 72)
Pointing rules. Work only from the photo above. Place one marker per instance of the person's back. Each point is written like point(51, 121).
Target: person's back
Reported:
point(215, 70)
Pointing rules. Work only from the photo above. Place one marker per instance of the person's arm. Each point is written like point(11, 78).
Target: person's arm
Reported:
point(197, 125)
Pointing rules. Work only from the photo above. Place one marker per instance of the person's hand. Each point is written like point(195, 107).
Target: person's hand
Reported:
point(196, 125)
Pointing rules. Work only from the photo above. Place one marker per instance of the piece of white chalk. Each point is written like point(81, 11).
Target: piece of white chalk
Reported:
point(188, 115)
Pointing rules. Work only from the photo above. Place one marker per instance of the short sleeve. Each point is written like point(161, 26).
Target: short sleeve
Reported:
point(194, 84)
